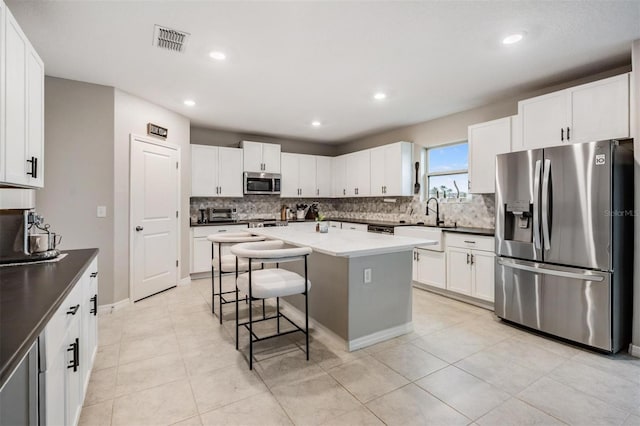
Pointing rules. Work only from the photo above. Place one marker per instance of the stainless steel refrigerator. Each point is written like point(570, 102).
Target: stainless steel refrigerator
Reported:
point(564, 241)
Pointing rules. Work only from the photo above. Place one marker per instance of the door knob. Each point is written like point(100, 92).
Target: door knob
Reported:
point(139, 228)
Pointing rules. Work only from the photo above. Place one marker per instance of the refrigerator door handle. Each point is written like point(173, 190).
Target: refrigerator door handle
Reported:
point(536, 206)
point(573, 275)
point(545, 204)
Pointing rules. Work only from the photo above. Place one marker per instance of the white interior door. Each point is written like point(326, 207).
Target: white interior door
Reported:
point(154, 222)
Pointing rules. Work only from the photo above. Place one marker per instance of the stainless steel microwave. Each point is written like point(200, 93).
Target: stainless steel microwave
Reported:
point(261, 183)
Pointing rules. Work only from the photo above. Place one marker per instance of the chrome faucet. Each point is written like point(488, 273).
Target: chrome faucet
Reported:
point(437, 210)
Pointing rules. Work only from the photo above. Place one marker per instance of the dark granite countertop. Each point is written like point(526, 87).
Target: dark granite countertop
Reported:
point(463, 230)
point(476, 231)
point(29, 296)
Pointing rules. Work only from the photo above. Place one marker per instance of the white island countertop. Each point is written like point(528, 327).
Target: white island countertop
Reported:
point(342, 242)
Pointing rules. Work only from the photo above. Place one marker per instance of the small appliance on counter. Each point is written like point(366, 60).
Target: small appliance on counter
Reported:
point(312, 212)
point(24, 237)
point(221, 215)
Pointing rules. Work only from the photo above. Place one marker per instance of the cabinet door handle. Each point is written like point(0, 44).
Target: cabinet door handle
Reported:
point(34, 167)
point(568, 133)
point(467, 258)
point(414, 255)
point(344, 192)
point(317, 191)
point(418, 255)
point(562, 134)
point(472, 259)
point(94, 309)
point(75, 348)
point(73, 310)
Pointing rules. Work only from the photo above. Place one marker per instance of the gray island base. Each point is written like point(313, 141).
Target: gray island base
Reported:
point(360, 313)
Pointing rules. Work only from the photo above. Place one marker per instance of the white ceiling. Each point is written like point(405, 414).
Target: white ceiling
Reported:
point(293, 62)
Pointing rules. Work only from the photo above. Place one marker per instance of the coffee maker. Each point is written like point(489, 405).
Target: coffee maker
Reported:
point(24, 237)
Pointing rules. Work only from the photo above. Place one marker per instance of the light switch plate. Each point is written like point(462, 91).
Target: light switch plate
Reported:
point(102, 211)
point(367, 276)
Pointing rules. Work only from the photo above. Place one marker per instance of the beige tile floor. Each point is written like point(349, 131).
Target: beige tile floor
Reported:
point(166, 360)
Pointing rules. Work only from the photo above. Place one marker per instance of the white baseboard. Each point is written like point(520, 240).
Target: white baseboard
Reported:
point(634, 350)
point(351, 345)
point(107, 309)
point(380, 336)
point(184, 281)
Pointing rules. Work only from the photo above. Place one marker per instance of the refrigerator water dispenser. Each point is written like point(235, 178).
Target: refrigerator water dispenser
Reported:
point(518, 221)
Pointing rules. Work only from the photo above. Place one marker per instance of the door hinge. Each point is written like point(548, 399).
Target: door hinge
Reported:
point(176, 263)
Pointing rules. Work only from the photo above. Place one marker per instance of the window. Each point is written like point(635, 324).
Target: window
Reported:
point(447, 167)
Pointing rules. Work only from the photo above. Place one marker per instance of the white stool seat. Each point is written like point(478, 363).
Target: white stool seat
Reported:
point(229, 263)
point(266, 283)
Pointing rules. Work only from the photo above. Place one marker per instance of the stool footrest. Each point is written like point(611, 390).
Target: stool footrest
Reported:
point(255, 337)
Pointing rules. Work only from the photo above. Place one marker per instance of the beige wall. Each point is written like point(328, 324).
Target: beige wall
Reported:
point(635, 133)
point(78, 170)
point(204, 136)
point(131, 116)
point(453, 128)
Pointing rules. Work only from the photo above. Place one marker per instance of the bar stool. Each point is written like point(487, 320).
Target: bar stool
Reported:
point(268, 283)
point(227, 264)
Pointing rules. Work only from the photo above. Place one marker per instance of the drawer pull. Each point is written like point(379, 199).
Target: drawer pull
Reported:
point(73, 310)
point(469, 242)
point(75, 348)
point(94, 300)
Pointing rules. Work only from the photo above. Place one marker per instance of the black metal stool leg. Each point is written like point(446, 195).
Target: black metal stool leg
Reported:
point(237, 320)
point(220, 280)
point(278, 313)
point(250, 322)
point(213, 280)
point(263, 310)
point(306, 306)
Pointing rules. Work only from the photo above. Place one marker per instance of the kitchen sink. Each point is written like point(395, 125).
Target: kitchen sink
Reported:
point(427, 232)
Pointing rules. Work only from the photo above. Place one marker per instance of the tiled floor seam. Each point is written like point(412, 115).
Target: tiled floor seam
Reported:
point(538, 408)
point(584, 393)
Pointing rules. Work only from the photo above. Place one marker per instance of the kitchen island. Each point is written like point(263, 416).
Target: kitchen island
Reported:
point(360, 281)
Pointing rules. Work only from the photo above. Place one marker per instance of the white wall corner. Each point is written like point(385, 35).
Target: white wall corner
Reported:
point(185, 281)
point(635, 133)
point(112, 307)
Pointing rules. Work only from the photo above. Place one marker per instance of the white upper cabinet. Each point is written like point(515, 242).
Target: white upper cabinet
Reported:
point(391, 169)
point(298, 175)
point(358, 174)
point(261, 157)
point(230, 179)
point(339, 176)
point(216, 171)
point(323, 176)
point(290, 170)
point(486, 140)
point(22, 99)
point(589, 112)
point(600, 110)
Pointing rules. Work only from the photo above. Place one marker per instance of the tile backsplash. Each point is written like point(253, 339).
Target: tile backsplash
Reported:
point(478, 212)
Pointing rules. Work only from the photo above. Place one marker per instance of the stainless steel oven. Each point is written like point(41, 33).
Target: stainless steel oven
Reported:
point(261, 183)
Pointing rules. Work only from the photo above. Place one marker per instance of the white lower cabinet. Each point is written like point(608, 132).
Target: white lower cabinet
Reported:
point(201, 247)
point(470, 267)
point(429, 267)
point(68, 348)
point(355, 226)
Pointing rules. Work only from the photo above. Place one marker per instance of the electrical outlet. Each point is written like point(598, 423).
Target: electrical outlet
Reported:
point(102, 211)
point(367, 276)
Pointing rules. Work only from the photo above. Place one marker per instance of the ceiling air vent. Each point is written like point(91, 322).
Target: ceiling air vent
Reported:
point(166, 38)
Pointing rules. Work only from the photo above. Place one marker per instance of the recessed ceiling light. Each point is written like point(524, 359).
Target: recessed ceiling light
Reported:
point(190, 102)
point(513, 38)
point(380, 96)
point(218, 56)
point(316, 123)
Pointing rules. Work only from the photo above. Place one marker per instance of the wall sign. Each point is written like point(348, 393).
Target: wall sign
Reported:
point(155, 130)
